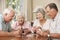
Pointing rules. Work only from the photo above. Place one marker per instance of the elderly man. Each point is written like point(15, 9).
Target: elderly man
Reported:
point(52, 12)
point(22, 25)
point(5, 27)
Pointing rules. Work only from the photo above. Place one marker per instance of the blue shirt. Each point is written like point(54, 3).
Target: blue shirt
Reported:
point(3, 25)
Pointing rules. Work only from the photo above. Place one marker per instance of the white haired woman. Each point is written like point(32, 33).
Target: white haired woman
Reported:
point(21, 24)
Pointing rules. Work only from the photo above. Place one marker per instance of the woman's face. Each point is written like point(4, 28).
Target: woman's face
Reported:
point(20, 19)
point(39, 16)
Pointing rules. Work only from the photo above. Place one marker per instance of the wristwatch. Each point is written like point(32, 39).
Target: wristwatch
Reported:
point(48, 35)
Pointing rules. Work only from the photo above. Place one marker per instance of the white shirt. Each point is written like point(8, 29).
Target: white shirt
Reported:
point(55, 24)
point(45, 25)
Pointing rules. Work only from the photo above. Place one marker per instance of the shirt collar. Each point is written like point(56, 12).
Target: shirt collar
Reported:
point(56, 17)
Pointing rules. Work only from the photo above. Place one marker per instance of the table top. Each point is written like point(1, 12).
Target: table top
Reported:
point(28, 37)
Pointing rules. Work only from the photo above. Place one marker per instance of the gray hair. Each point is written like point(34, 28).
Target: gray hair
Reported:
point(40, 10)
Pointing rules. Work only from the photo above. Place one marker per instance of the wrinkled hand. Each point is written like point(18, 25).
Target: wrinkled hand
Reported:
point(35, 28)
point(39, 31)
point(43, 33)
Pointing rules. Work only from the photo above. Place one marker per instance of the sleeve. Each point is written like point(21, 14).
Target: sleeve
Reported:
point(0, 23)
point(14, 26)
point(28, 25)
point(58, 26)
point(9, 29)
point(36, 22)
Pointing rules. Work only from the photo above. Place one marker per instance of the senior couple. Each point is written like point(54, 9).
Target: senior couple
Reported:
point(48, 27)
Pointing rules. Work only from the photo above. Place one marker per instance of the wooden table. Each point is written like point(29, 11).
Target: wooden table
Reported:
point(10, 38)
point(28, 37)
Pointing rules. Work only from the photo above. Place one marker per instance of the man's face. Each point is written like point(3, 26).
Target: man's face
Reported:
point(20, 19)
point(10, 16)
point(51, 12)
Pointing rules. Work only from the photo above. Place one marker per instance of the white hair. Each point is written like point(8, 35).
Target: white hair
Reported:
point(20, 14)
point(7, 10)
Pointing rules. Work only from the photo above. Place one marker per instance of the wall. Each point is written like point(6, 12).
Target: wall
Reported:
point(43, 3)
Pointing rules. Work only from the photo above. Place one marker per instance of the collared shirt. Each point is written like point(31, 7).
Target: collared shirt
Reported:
point(3, 25)
point(55, 25)
point(16, 25)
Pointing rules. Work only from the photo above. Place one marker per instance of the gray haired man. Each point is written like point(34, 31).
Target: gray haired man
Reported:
point(5, 27)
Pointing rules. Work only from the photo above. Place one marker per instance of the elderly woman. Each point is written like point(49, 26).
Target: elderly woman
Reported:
point(21, 24)
point(40, 24)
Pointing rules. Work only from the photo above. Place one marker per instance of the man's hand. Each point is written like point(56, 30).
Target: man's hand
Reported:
point(45, 33)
